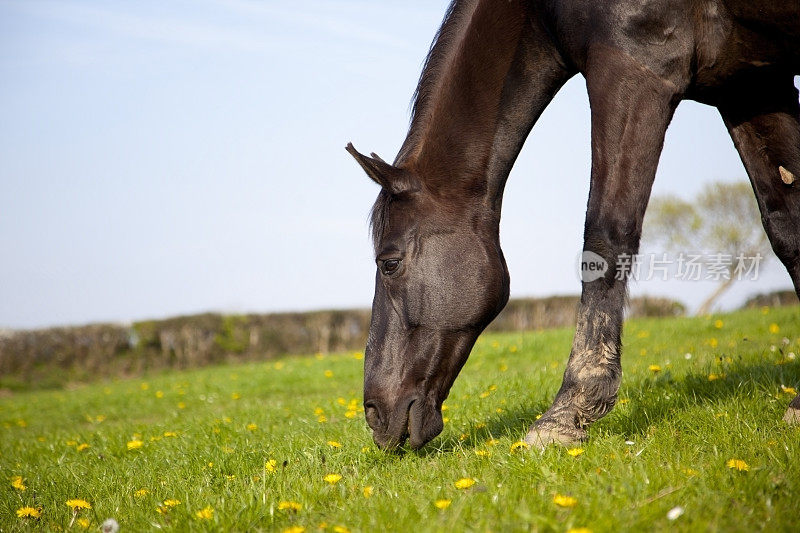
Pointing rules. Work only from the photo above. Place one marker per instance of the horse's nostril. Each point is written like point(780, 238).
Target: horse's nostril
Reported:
point(372, 414)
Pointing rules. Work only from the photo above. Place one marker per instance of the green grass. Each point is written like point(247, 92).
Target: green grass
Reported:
point(681, 430)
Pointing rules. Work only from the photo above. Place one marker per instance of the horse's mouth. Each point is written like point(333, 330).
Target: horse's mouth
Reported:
point(415, 422)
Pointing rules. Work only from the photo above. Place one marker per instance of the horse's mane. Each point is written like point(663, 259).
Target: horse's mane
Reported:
point(459, 90)
point(442, 52)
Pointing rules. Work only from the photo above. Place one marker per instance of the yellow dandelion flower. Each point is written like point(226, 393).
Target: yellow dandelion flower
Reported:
point(144, 386)
point(579, 530)
point(135, 444)
point(252, 427)
point(141, 493)
point(159, 394)
point(83, 446)
point(181, 405)
point(737, 464)
point(718, 324)
point(279, 365)
point(464, 483)
point(351, 414)
point(334, 444)
point(340, 529)
point(774, 328)
point(482, 453)
point(271, 465)
point(492, 442)
point(294, 529)
point(713, 342)
point(368, 491)
point(623, 401)
point(520, 445)
point(72, 443)
point(319, 411)
point(442, 504)
point(575, 452)
point(445, 419)
point(206, 513)
point(484, 394)
point(170, 503)
point(690, 471)
point(322, 419)
point(83, 522)
point(715, 377)
point(512, 349)
point(18, 483)
point(289, 506)
point(77, 504)
point(789, 390)
point(170, 434)
point(341, 401)
point(564, 501)
point(654, 368)
point(358, 355)
point(329, 373)
point(332, 478)
point(28, 512)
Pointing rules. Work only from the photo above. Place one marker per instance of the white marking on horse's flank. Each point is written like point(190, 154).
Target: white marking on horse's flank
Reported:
point(787, 177)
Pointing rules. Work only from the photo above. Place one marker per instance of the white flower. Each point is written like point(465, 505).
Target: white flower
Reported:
point(110, 526)
point(687, 356)
point(674, 513)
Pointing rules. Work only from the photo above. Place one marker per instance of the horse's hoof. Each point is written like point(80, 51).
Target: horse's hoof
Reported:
point(542, 436)
point(792, 416)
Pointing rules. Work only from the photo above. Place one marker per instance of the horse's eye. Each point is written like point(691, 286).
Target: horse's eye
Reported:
point(390, 266)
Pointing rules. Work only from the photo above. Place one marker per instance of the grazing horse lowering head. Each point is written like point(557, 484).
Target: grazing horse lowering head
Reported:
point(441, 278)
point(491, 71)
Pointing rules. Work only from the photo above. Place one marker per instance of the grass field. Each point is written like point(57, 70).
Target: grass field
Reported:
point(283, 445)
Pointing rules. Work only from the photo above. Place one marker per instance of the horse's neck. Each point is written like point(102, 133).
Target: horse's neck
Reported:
point(459, 99)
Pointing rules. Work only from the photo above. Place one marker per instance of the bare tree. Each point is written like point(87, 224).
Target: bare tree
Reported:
point(722, 219)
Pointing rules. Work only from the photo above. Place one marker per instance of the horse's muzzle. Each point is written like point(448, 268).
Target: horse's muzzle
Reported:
point(412, 419)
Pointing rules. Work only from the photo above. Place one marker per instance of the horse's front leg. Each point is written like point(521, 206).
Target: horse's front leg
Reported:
point(631, 109)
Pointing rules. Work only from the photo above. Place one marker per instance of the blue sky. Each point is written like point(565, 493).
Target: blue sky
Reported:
point(164, 158)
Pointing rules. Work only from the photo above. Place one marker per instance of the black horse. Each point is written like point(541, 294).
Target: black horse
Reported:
point(493, 67)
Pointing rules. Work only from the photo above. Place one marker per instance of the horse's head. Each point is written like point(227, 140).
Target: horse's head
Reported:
point(441, 278)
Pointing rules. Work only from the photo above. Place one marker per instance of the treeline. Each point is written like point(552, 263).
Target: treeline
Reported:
point(54, 356)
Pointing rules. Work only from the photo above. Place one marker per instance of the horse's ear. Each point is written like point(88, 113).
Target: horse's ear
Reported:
point(387, 176)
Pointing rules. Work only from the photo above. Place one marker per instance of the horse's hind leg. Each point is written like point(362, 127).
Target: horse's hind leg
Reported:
point(763, 119)
point(631, 109)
